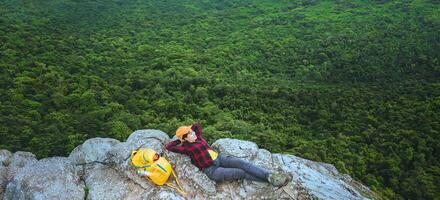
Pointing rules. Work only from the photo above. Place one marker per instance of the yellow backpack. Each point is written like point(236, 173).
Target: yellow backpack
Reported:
point(154, 168)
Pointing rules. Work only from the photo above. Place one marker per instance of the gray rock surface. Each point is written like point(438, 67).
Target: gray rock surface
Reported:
point(5, 157)
point(104, 182)
point(18, 161)
point(238, 148)
point(321, 180)
point(94, 149)
point(112, 176)
point(149, 138)
point(49, 178)
point(3, 180)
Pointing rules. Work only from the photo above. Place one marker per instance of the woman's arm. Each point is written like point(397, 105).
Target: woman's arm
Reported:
point(198, 129)
point(175, 147)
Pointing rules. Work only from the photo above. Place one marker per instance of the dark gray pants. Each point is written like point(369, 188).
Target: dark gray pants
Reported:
point(228, 168)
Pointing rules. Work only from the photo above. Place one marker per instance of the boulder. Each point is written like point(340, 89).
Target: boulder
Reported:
point(18, 161)
point(319, 180)
point(49, 178)
point(113, 177)
point(239, 148)
point(94, 149)
point(104, 182)
point(147, 138)
point(5, 157)
point(3, 179)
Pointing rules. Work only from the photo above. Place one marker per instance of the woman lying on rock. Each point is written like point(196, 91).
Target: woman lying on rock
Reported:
point(220, 167)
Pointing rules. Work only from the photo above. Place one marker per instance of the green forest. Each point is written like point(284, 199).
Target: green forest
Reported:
point(352, 83)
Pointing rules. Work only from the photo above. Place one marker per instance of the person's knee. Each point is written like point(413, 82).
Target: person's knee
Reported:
point(220, 174)
point(244, 164)
point(247, 164)
point(229, 175)
point(216, 176)
point(238, 174)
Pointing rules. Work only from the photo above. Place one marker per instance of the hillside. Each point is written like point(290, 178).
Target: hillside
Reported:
point(350, 83)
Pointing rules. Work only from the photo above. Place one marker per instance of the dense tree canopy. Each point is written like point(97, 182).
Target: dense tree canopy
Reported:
point(351, 83)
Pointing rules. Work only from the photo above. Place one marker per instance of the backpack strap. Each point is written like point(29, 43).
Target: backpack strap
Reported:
point(179, 187)
point(145, 167)
point(145, 159)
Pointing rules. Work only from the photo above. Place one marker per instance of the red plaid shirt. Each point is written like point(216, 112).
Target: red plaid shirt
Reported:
point(197, 151)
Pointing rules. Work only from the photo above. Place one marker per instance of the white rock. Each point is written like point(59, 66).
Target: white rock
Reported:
point(321, 181)
point(19, 160)
point(147, 134)
point(94, 149)
point(149, 138)
point(3, 179)
point(238, 148)
point(106, 183)
point(264, 159)
point(5, 157)
point(59, 178)
point(166, 194)
point(49, 178)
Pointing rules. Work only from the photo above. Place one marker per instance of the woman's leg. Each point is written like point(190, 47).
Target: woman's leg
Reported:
point(229, 174)
point(234, 162)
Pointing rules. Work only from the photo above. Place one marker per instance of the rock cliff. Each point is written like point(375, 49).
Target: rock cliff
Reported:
point(100, 169)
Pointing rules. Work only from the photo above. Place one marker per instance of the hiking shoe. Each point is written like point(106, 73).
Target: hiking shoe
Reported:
point(279, 179)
